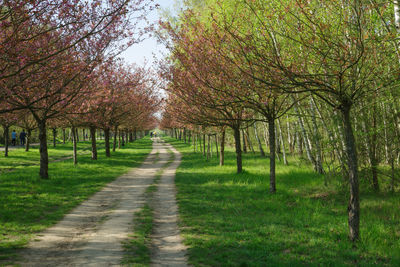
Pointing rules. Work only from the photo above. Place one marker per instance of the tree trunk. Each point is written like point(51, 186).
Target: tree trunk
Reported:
point(259, 141)
point(208, 147)
point(28, 139)
point(135, 135)
point(271, 134)
point(6, 140)
point(236, 133)
point(54, 136)
point(305, 138)
point(222, 153)
point(204, 144)
point(44, 157)
point(83, 134)
point(74, 141)
point(119, 139)
point(282, 144)
point(77, 135)
point(107, 141)
point(63, 130)
point(249, 144)
point(354, 202)
point(318, 157)
point(123, 138)
point(244, 142)
point(216, 145)
point(115, 138)
point(94, 146)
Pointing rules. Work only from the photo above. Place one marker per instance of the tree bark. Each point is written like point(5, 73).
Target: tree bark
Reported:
point(222, 152)
point(74, 141)
point(94, 146)
point(44, 157)
point(6, 140)
point(216, 145)
point(54, 137)
point(236, 133)
point(28, 139)
point(115, 138)
point(272, 149)
point(208, 147)
point(119, 139)
point(107, 141)
point(64, 135)
point(354, 202)
point(244, 142)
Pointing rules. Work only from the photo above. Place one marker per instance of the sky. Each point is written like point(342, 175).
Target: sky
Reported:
point(138, 53)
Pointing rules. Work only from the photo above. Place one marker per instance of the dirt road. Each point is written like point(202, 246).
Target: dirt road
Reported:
point(92, 234)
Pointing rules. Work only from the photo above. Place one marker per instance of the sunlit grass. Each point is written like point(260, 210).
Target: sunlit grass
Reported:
point(230, 219)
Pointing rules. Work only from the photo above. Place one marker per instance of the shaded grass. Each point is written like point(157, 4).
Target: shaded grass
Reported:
point(230, 219)
point(29, 204)
point(138, 246)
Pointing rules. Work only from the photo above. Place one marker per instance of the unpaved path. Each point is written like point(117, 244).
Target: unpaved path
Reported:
point(92, 233)
point(168, 249)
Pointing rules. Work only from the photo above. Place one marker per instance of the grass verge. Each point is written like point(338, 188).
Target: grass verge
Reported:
point(138, 245)
point(230, 219)
point(29, 204)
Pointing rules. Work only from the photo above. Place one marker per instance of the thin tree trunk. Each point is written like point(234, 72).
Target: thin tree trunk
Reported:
point(119, 139)
point(54, 136)
point(6, 140)
point(94, 146)
point(222, 152)
point(63, 130)
point(259, 141)
point(249, 144)
point(282, 144)
point(354, 202)
point(208, 147)
point(244, 142)
point(107, 141)
point(123, 138)
point(44, 157)
point(236, 132)
point(77, 134)
point(204, 144)
point(271, 133)
point(83, 135)
point(318, 158)
point(28, 139)
point(74, 141)
point(115, 138)
point(216, 145)
point(305, 138)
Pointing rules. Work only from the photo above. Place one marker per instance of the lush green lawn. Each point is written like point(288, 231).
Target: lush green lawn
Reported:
point(29, 204)
point(19, 158)
point(230, 219)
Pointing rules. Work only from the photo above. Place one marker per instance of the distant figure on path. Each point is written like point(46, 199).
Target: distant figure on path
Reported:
point(151, 134)
point(22, 137)
point(13, 138)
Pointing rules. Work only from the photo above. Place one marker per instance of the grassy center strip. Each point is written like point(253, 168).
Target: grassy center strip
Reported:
point(138, 245)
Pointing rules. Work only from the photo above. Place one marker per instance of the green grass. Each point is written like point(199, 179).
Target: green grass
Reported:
point(19, 158)
point(29, 204)
point(230, 219)
point(138, 246)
